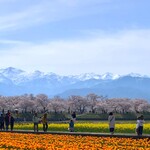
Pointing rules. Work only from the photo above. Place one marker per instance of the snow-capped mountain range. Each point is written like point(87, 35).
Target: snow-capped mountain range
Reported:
point(17, 82)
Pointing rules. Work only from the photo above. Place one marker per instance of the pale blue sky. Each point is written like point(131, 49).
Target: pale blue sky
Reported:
point(75, 36)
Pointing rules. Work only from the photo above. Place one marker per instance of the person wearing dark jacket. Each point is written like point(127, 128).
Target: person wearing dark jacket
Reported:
point(7, 121)
point(12, 120)
point(71, 125)
point(2, 119)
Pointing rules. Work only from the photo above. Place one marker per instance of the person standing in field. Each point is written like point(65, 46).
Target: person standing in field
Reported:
point(35, 120)
point(7, 120)
point(139, 125)
point(45, 122)
point(12, 120)
point(2, 127)
point(111, 121)
point(71, 125)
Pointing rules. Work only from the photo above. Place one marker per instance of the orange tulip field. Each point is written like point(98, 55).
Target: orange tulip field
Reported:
point(17, 141)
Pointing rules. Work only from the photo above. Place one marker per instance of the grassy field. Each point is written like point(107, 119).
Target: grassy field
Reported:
point(83, 126)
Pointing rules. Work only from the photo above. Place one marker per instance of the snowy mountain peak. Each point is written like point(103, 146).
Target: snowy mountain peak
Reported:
point(10, 70)
point(136, 75)
point(106, 76)
point(109, 76)
point(87, 76)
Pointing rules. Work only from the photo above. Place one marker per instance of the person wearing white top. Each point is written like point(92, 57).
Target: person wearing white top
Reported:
point(36, 122)
point(139, 125)
point(111, 121)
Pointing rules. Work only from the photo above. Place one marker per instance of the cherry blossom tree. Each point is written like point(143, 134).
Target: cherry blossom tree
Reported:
point(78, 103)
point(140, 105)
point(57, 104)
point(25, 103)
point(3, 105)
point(42, 101)
point(93, 100)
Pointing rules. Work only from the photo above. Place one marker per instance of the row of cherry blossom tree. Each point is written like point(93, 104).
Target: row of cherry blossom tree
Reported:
point(81, 104)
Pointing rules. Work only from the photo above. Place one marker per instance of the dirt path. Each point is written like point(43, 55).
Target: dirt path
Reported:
point(83, 134)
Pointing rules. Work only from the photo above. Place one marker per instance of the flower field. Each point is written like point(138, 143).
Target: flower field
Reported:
point(87, 127)
point(68, 142)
